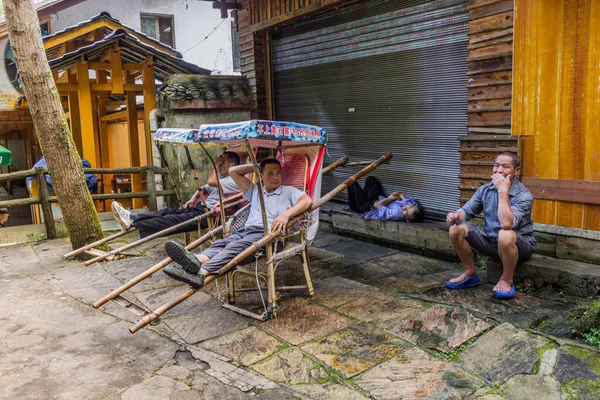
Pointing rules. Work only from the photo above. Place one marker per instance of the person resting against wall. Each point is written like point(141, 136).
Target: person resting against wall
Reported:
point(371, 202)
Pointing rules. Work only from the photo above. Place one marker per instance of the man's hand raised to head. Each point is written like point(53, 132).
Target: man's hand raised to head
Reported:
point(501, 182)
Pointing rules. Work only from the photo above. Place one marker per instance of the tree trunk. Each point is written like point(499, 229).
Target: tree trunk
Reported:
point(64, 163)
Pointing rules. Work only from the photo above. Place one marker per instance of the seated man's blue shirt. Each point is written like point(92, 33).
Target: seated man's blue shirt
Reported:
point(391, 212)
point(486, 199)
point(276, 203)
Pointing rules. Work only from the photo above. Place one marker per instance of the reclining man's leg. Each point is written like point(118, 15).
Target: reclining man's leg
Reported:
point(149, 226)
point(194, 268)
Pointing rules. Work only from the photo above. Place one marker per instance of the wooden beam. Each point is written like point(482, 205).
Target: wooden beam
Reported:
point(74, 111)
point(573, 191)
point(134, 142)
point(116, 71)
point(97, 65)
point(86, 114)
point(72, 34)
point(149, 104)
point(120, 116)
point(99, 87)
point(316, 6)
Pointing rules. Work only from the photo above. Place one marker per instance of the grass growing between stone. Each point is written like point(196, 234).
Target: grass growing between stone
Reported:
point(453, 354)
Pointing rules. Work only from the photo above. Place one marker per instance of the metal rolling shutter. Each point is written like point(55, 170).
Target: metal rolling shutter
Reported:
point(382, 76)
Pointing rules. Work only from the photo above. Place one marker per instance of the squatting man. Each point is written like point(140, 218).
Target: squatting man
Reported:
point(507, 234)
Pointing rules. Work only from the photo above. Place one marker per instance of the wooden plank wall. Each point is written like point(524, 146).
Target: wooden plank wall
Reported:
point(255, 20)
point(557, 104)
point(489, 92)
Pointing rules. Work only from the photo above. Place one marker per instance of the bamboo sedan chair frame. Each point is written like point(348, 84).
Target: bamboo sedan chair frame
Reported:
point(214, 231)
point(147, 319)
point(260, 137)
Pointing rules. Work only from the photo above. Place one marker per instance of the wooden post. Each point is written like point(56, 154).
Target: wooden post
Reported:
point(45, 204)
point(116, 71)
point(134, 142)
point(149, 103)
point(86, 113)
point(74, 114)
point(151, 186)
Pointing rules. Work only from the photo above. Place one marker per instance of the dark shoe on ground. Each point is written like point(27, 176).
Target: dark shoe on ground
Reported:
point(500, 294)
point(194, 280)
point(467, 283)
point(181, 256)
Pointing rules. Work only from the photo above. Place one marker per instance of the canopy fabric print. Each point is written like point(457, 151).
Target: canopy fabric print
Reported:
point(175, 135)
point(263, 129)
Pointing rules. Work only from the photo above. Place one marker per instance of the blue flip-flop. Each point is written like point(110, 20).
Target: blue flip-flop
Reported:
point(467, 283)
point(501, 294)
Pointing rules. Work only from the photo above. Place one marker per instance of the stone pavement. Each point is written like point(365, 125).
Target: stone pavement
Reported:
point(381, 325)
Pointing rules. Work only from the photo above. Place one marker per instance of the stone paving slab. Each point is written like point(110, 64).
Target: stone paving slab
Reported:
point(503, 352)
point(324, 240)
point(152, 299)
point(441, 328)
point(299, 321)
point(578, 369)
point(201, 325)
point(56, 336)
point(413, 283)
point(415, 374)
point(87, 284)
point(360, 250)
point(291, 366)
point(355, 349)
point(128, 268)
point(246, 346)
point(408, 264)
point(335, 291)
point(383, 311)
point(327, 391)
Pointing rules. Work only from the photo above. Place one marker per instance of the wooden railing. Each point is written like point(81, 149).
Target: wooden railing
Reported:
point(44, 199)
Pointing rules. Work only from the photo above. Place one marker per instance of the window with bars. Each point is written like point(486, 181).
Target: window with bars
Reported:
point(159, 27)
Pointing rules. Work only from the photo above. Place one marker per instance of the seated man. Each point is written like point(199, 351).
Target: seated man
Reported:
point(374, 206)
point(281, 203)
point(508, 231)
point(151, 222)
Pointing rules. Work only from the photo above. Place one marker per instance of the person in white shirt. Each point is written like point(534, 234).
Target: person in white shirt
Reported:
point(281, 203)
point(151, 222)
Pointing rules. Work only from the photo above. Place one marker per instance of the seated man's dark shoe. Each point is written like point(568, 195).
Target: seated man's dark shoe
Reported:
point(194, 280)
point(181, 256)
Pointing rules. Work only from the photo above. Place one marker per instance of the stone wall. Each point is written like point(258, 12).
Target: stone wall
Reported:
point(187, 101)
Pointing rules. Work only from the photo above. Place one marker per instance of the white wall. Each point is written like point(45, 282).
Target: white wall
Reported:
point(193, 20)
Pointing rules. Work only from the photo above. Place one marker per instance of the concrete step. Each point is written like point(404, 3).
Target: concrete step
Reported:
point(573, 278)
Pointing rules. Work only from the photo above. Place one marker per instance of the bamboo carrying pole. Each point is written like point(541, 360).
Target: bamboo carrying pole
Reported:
point(164, 232)
point(156, 267)
point(336, 164)
point(98, 243)
point(260, 243)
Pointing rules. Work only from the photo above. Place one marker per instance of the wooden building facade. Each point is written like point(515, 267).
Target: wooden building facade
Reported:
point(531, 82)
point(106, 75)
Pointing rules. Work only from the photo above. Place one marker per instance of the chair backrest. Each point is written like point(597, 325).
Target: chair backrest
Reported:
point(238, 220)
point(294, 170)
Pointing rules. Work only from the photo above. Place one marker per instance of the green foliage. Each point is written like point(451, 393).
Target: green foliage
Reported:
point(592, 337)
